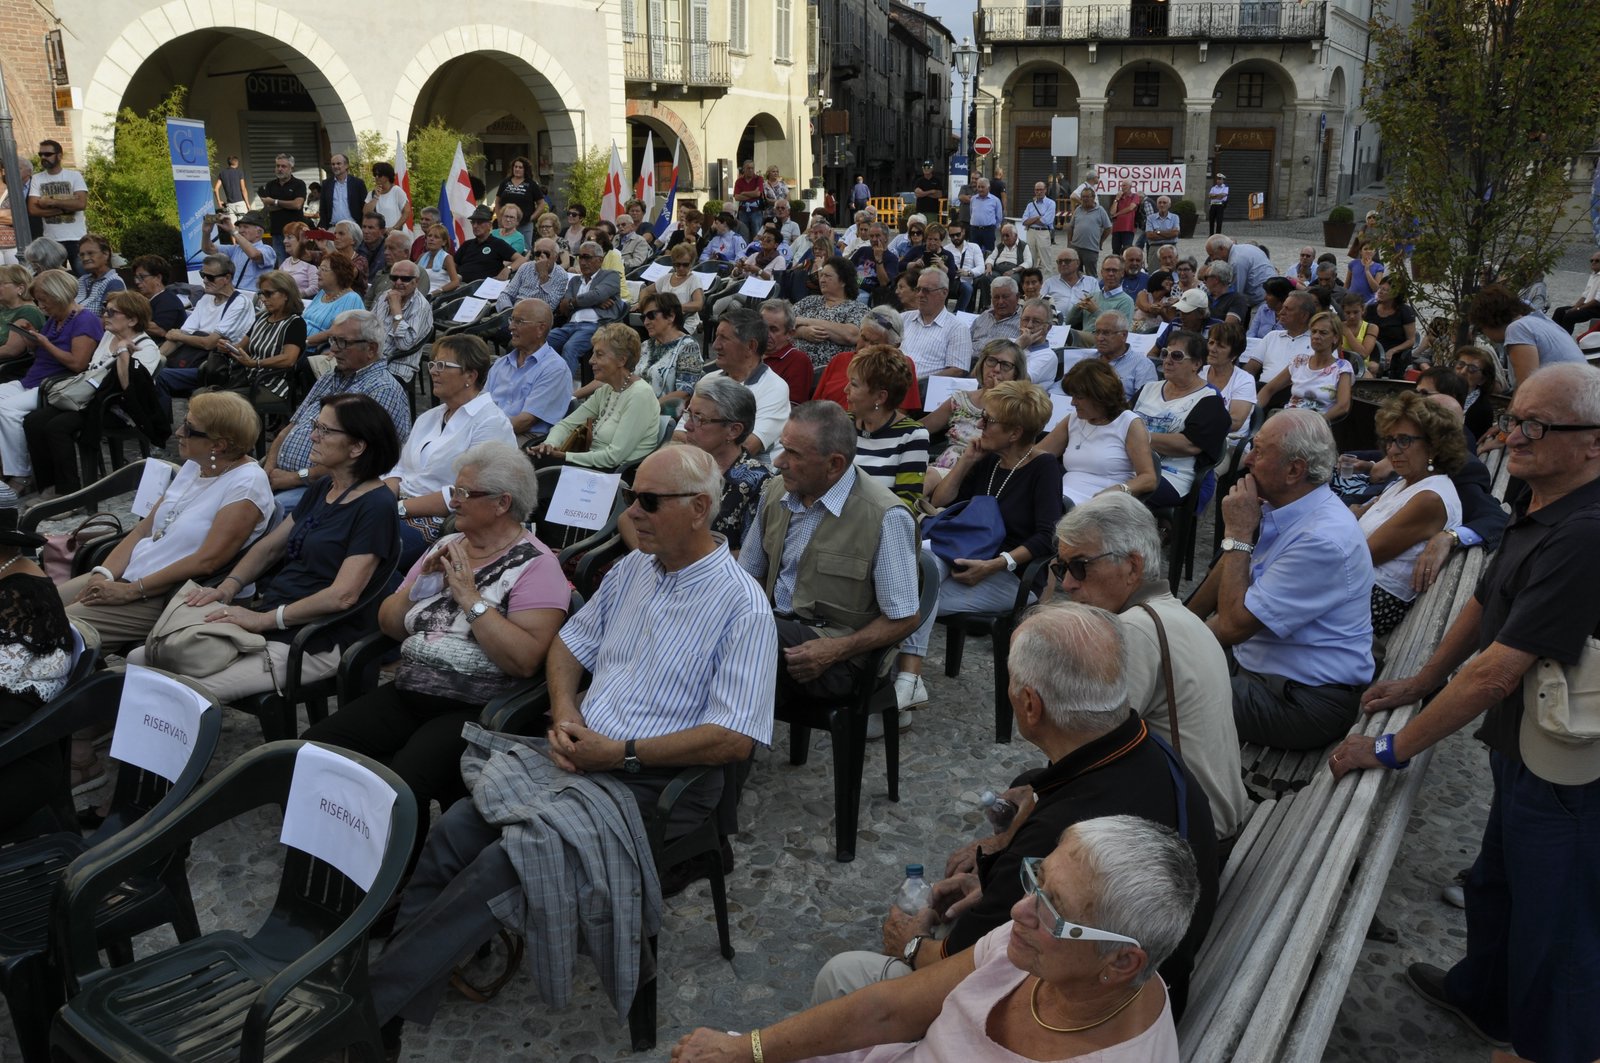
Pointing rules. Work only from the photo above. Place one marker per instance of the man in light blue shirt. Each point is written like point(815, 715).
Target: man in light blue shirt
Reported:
point(984, 214)
point(725, 245)
point(531, 383)
point(1296, 606)
point(1251, 266)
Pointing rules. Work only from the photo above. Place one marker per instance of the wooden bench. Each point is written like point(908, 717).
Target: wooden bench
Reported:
point(1308, 870)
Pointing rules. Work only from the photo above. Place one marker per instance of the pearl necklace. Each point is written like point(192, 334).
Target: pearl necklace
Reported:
point(8, 564)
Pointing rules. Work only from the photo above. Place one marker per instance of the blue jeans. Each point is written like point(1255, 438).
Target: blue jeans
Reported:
point(996, 594)
point(1533, 928)
point(175, 383)
point(572, 341)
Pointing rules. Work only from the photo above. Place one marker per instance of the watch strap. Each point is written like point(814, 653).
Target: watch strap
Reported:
point(1383, 749)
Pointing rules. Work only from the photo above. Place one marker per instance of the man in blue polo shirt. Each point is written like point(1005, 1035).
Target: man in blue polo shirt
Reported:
point(984, 217)
point(1294, 605)
point(531, 383)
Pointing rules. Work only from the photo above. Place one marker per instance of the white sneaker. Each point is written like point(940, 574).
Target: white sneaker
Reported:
point(910, 691)
point(875, 724)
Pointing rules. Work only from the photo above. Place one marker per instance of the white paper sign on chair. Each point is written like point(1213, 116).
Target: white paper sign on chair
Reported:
point(338, 811)
point(157, 722)
point(583, 498)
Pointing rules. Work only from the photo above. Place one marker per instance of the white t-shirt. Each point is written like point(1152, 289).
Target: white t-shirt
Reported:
point(1241, 387)
point(1096, 456)
point(189, 509)
point(145, 353)
point(1394, 575)
point(427, 463)
point(391, 204)
point(230, 316)
point(61, 226)
point(685, 291)
point(1278, 349)
point(772, 405)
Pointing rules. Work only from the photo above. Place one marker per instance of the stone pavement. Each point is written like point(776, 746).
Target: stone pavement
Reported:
point(793, 906)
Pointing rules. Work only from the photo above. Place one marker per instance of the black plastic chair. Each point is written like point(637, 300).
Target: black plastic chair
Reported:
point(1185, 521)
point(569, 541)
point(596, 563)
point(414, 383)
point(56, 811)
point(30, 870)
point(277, 711)
point(295, 989)
point(998, 626)
point(846, 721)
point(118, 482)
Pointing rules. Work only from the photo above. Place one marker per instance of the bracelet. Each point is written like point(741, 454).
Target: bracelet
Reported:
point(139, 583)
point(1124, 488)
point(235, 579)
point(755, 1047)
point(279, 617)
point(101, 570)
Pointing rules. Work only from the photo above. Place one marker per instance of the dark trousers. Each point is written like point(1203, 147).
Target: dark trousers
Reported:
point(983, 236)
point(175, 383)
point(71, 247)
point(1120, 242)
point(1567, 316)
point(53, 445)
point(1533, 927)
point(836, 682)
point(1214, 218)
point(1272, 710)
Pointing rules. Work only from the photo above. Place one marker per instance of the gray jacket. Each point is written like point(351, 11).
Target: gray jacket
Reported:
point(607, 284)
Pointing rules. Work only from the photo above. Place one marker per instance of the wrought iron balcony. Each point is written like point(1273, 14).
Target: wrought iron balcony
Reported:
point(1196, 20)
point(676, 61)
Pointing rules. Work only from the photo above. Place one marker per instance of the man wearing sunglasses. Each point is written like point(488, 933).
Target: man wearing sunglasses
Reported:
point(1102, 761)
point(538, 278)
point(1533, 943)
point(59, 196)
point(406, 313)
point(679, 600)
point(593, 298)
point(222, 313)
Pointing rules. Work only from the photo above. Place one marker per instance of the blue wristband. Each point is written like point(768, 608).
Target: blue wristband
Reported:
point(1383, 749)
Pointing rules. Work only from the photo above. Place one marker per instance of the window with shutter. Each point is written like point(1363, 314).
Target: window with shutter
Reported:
point(738, 17)
point(783, 29)
point(699, 37)
point(630, 29)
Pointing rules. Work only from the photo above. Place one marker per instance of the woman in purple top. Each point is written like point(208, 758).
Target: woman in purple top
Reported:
point(62, 347)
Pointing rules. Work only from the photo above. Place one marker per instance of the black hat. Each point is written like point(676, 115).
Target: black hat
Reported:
point(10, 536)
point(483, 213)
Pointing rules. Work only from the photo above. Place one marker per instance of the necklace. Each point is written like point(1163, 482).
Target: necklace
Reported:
point(1087, 435)
point(502, 548)
point(1033, 1006)
point(1009, 475)
point(8, 564)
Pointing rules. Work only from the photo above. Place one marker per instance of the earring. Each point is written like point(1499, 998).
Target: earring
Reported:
point(213, 461)
point(1430, 464)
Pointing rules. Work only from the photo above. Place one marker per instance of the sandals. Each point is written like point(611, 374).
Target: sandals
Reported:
point(515, 944)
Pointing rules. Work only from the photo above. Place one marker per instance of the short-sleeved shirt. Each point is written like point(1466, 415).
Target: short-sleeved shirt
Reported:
point(233, 190)
point(190, 507)
point(246, 270)
point(941, 344)
point(1200, 417)
point(1089, 227)
point(278, 190)
point(541, 385)
point(374, 380)
point(523, 193)
point(1311, 587)
point(22, 312)
point(1538, 595)
point(323, 536)
point(82, 323)
point(477, 259)
point(63, 227)
point(1554, 343)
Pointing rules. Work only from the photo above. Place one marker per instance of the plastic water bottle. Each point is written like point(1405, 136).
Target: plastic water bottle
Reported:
point(915, 893)
point(1001, 811)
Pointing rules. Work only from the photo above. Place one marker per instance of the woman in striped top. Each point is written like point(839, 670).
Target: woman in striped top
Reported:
point(890, 447)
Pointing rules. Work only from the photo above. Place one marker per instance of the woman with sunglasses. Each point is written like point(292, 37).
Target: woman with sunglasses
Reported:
point(1042, 986)
point(1103, 445)
point(473, 616)
point(464, 416)
point(125, 349)
point(1185, 417)
point(217, 503)
point(684, 284)
point(1423, 443)
point(1317, 381)
point(960, 416)
point(64, 346)
point(317, 561)
point(261, 365)
point(670, 359)
point(98, 280)
point(622, 414)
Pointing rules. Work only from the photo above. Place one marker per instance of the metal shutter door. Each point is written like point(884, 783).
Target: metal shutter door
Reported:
point(1247, 171)
point(1144, 157)
point(265, 139)
point(1033, 164)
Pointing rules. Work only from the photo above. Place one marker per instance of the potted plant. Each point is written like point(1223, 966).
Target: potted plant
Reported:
point(1339, 228)
point(712, 208)
point(1188, 214)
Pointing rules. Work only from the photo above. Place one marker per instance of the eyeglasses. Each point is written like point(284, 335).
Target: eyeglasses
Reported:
point(650, 501)
point(690, 417)
point(467, 494)
point(541, 254)
point(1534, 430)
point(523, 321)
point(651, 315)
point(573, 214)
point(189, 431)
point(1400, 442)
point(436, 366)
point(212, 276)
point(984, 420)
point(403, 278)
point(1001, 363)
point(1469, 369)
point(339, 343)
point(586, 254)
point(1051, 921)
point(49, 154)
point(320, 429)
point(1174, 356)
point(1077, 567)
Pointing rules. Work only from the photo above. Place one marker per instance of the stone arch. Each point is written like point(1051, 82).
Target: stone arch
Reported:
point(665, 121)
point(763, 139)
point(1122, 80)
point(340, 101)
point(536, 67)
point(1288, 87)
point(1070, 88)
point(1336, 90)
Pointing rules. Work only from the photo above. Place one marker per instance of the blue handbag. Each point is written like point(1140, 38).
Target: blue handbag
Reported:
point(972, 529)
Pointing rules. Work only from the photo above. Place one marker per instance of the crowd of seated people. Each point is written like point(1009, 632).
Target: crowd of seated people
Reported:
point(799, 501)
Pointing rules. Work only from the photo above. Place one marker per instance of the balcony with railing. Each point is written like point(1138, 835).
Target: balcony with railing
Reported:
point(1194, 20)
point(676, 61)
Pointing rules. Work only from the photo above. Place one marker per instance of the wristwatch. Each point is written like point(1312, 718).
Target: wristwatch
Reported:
point(400, 507)
point(1383, 749)
point(1238, 544)
point(908, 955)
point(1455, 539)
point(479, 607)
point(304, 474)
point(630, 759)
point(1011, 562)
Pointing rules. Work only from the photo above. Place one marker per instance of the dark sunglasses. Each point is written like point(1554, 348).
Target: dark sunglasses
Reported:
point(1077, 568)
point(212, 276)
point(650, 501)
point(401, 278)
point(189, 431)
point(651, 315)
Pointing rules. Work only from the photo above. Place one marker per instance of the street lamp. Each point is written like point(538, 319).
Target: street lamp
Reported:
point(966, 57)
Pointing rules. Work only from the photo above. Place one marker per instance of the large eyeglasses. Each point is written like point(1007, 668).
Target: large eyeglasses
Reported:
point(1077, 567)
point(1051, 921)
point(1401, 443)
point(1534, 430)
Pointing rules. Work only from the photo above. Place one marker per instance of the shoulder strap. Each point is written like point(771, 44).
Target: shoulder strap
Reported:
point(1166, 676)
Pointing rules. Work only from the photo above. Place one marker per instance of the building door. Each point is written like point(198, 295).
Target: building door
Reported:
point(1142, 145)
point(265, 137)
point(1245, 157)
point(1032, 161)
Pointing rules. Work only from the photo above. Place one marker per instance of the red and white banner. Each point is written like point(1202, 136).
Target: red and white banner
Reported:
point(611, 194)
point(1161, 179)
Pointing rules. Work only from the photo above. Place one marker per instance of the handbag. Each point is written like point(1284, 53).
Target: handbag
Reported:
point(75, 392)
point(1560, 732)
point(580, 439)
point(972, 528)
point(183, 642)
point(61, 547)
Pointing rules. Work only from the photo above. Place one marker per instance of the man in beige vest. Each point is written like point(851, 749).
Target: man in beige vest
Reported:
point(836, 554)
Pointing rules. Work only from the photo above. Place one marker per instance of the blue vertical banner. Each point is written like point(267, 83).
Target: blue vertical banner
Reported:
point(191, 176)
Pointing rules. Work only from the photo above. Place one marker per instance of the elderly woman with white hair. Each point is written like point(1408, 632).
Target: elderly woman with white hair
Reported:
point(473, 616)
point(1070, 977)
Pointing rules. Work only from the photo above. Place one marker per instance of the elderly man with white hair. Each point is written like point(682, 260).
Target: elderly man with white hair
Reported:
point(934, 338)
point(1001, 320)
point(1251, 266)
point(1069, 693)
point(1294, 604)
point(1108, 554)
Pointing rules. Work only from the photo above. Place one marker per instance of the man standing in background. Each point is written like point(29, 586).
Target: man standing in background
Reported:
point(231, 189)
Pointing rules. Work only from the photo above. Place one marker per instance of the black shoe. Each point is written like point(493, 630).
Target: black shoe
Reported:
point(1428, 981)
point(391, 1038)
point(679, 877)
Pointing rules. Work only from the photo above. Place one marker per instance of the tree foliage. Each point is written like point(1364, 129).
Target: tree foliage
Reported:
point(429, 153)
point(128, 169)
point(1483, 106)
point(586, 181)
point(371, 146)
